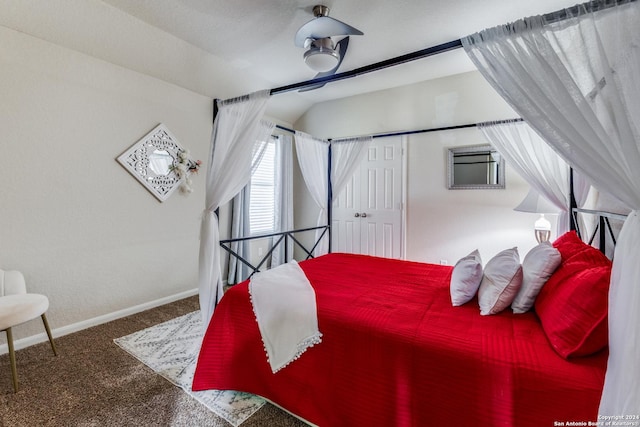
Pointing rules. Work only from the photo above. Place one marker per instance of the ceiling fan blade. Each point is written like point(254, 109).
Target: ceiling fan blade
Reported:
point(322, 27)
point(342, 48)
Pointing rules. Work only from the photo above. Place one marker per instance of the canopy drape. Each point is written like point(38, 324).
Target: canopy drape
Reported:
point(313, 158)
point(236, 129)
point(576, 83)
point(535, 161)
point(240, 222)
point(313, 155)
point(240, 227)
point(346, 156)
point(283, 198)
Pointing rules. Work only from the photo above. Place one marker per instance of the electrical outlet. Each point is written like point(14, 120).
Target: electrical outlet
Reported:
point(444, 262)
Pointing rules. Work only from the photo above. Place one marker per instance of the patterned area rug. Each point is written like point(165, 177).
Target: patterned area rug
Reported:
point(171, 349)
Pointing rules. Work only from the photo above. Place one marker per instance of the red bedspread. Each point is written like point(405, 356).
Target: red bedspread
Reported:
point(396, 353)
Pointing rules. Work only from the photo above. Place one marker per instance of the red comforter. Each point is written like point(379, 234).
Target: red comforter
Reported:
point(395, 352)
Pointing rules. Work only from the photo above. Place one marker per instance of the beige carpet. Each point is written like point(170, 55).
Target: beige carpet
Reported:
point(93, 382)
point(171, 350)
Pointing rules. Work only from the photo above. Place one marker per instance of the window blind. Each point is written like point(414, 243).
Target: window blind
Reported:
point(262, 193)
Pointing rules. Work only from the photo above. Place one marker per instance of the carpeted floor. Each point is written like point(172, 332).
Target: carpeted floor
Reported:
point(93, 382)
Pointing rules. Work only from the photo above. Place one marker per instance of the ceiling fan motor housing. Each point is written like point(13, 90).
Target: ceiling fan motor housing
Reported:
point(320, 10)
point(321, 55)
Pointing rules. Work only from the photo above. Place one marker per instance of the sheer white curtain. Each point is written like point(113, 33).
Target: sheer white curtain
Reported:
point(535, 161)
point(240, 227)
point(582, 189)
point(346, 156)
point(283, 197)
point(237, 128)
point(314, 164)
point(240, 221)
point(576, 82)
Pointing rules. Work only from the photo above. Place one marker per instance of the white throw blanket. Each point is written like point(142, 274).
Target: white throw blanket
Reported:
point(284, 303)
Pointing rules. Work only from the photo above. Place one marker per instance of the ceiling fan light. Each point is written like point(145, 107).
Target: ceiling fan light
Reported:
point(321, 59)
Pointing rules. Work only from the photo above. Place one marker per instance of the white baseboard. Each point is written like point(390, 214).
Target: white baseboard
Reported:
point(75, 327)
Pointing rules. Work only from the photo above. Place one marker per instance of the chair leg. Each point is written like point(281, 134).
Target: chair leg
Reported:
point(46, 326)
point(12, 359)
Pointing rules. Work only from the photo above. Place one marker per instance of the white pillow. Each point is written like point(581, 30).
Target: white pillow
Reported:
point(501, 282)
point(466, 278)
point(538, 265)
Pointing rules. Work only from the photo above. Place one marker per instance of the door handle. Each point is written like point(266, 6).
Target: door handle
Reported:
point(363, 215)
point(357, 215)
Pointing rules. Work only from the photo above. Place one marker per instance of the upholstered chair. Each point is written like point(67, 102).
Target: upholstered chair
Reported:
point(16, 307)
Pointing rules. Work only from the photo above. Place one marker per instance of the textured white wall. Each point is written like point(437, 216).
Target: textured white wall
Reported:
point(441, 224)
point(82, 81)
point(72, 219)
point(102, 31)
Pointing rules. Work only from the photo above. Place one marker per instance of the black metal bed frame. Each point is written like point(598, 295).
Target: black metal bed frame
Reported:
point(556, 16)
point(284, 237)
point(288, 234)
point(602, 227)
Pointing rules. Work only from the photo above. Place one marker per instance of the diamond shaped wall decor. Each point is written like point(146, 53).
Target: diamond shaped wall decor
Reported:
point(152, 161)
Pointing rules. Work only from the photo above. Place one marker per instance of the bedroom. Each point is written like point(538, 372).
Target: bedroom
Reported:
point(79, 93)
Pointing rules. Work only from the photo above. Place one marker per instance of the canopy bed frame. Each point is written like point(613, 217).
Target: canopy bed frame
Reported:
point(400, 390)
point(396, 352)
point(392, 62)
point(603, 227)
point(284, 236)
point(427, 52)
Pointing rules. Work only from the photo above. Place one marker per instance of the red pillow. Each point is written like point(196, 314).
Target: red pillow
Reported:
point(576, 256)
point(573, 310)
point(569, 244)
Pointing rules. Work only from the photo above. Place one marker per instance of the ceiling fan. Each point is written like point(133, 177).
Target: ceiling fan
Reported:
point(322, 54)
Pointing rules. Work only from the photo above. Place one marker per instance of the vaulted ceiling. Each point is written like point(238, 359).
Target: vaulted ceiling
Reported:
point(258, 35)
point(226, 48)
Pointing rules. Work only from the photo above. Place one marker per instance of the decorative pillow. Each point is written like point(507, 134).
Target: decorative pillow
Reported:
point(466, 278)
point(580, 257)
point(538, 265)
point(569, 245)
point(574, 313)
point(501, 282)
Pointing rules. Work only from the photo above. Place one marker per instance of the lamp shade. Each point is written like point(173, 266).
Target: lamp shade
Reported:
point(535, 203)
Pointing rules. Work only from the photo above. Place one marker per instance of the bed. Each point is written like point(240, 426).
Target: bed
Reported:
point(395, 352)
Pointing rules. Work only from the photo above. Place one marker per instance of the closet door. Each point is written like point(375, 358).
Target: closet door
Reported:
point(345, 224)
point(368, 214)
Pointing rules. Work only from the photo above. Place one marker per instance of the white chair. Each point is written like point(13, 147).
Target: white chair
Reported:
point(16, 307)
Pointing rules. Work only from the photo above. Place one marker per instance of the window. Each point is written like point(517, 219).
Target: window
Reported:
point(262, 193)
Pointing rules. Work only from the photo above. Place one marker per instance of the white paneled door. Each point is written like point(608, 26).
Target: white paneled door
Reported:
point(368, 215)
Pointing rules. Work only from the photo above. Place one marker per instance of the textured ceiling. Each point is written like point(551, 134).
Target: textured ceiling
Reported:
point(258, 36)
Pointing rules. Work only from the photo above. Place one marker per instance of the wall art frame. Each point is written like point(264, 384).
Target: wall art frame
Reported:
point(475, 167)
point(153, 159)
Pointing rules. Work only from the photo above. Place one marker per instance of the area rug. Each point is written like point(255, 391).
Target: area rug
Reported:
point(171, 349)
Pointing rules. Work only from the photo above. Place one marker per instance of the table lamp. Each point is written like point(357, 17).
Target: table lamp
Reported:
point(535, 203)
